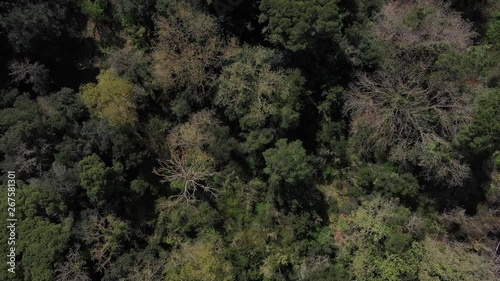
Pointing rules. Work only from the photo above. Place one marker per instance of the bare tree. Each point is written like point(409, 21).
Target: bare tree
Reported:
point(395, 106)
point(409, 109)
point(105, 235)
point(35, 74)
point(27, 159)
point(400, 113)
point(408, 23)
point(313, 265)
point(439, 162)
point(189, 171)
point(480, 231)
point(59, 179)
point(190, 167)
point(147, 269)
point(73, 268)
point(401, 109)
point(188, 48)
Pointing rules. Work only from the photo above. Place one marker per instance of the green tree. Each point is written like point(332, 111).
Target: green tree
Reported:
point(384, 241)
point(40, 202)
point(379, 241)
point(42, 245)
point(287, 164)
point(29, 23)
point(257, 93)
point(96, 178)
point(493, 28)
point(296, 24)
point(446, 262)
point(199, 260)
point(33, 129)
point(133, 65)
point(42, 231)
point(94, 9)
point(384, 179)
point(482, 136)
point(180, 223)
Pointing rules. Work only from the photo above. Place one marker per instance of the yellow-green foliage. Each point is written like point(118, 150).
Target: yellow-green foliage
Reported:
point(189, 44)
point(112, 98)
point(42, 245)
point(383, 241)
point(253, 91)
point(93, 9)
point(199, 261)
point(443, 262)
point(493, 190)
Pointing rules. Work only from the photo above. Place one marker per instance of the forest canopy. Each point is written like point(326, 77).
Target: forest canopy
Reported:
point(250, 140)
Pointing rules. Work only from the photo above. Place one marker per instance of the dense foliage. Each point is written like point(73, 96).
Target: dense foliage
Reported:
point(251, 140)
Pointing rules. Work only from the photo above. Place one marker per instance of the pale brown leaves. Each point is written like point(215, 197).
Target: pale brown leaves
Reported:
point(399, 113)
point(407, 23)
point(188, 171)
point(190, 167)
point(188, 48)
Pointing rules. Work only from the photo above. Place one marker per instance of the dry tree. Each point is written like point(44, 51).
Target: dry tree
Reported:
point(394, 106)
point(105, 234)
point(407, 109)
point(408, 23)
point(73, 268)
point(187, 170)
point(190, 167)
point(188, 49)
point(399, 113)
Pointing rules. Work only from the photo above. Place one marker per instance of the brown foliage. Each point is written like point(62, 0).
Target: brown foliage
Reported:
point(394, 105)
point(396, 111)
point(194, 134)
point(479, 231)
point(187, 170)
point(188, 48)
point(407, 23)
point(73, 269)
point(105, 234)
point(189, 166)
point(400, 110)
